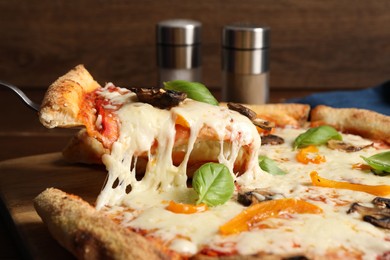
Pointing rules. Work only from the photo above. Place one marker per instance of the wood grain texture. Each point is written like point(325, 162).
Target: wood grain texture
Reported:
point(314, 44)
point(24, 178)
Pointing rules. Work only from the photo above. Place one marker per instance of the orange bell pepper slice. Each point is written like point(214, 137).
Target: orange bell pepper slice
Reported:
point(310, 154)
point(265, 132)
point(180, 120)
point(377, 190)
point(183, 208)
point(248, 218)
point(361, 166)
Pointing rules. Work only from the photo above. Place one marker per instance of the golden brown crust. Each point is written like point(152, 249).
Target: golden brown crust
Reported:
point(362, 122)
point(61, 104)
point(282, 114)
point(89, 234)
point(84, 149)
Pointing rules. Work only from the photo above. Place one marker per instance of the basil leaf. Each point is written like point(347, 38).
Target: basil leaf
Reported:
point(194, 90)
point(380, 163)
point(213, 183)
point(270, 166)
point(317, 136)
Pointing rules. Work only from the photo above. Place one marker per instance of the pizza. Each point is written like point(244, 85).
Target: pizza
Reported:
point(191, 178)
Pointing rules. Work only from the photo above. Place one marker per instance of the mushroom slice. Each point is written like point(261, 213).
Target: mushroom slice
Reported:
point(263, 124)
point(347, 147)
point(383, 222)
point(271, 140)
point(158, 97)
point(247, 198)
point(243, 110)
point(381, 202)
point(379, 215)
point(297, 257)
point(363, 210)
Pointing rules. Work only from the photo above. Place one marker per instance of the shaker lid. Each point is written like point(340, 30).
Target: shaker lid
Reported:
point(179, 32)
point(245, 36)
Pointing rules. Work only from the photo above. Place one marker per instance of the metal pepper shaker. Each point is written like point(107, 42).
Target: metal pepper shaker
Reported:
point(245, 63)
point(179, 50)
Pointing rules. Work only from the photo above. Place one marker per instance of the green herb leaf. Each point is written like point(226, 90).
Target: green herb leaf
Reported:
point(194, 90)
point(317, 136)
point(213, 183)
point(380, 163)
point(270, 166)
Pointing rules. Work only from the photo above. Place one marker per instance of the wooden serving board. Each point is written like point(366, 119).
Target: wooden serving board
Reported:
point(22, 179)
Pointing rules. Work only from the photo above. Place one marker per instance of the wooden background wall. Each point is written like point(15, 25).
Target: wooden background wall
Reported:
point(315, 45)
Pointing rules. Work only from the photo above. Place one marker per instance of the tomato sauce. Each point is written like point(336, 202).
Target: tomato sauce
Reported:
point(101, 123)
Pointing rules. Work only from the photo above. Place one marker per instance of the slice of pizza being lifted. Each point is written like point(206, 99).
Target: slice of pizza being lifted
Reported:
point(152, 147)
point(172, 139)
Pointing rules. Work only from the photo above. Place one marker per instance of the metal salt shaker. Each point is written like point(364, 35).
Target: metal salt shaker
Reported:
point(245, 63)
point(179, 50)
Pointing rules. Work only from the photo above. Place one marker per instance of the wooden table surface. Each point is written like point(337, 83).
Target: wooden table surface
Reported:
point(22, 135)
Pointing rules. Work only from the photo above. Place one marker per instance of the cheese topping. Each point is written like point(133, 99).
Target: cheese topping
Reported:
point(145, 129)
point(332, 231)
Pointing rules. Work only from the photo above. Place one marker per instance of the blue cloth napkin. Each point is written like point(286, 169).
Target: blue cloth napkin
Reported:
point(376, 99)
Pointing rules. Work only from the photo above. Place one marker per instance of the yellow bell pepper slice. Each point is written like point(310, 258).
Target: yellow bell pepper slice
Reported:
point(309, 154)
point(183, 208)
point(248, 218)
point(377, 190)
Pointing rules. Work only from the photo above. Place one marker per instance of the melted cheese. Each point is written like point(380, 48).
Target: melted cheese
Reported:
point(144, 208)
point(143, 126)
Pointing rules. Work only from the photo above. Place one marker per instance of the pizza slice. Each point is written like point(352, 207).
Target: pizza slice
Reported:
point(124, 131)
point(297, 189)
point(84, 148)
point(89, 234)
point(363, 122)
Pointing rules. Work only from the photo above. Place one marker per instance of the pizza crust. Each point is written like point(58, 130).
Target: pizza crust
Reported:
point(362, 122)
point(83, 148)
point(284, 114)
point(89, 234)
point(62, 101)
point(295, 115)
